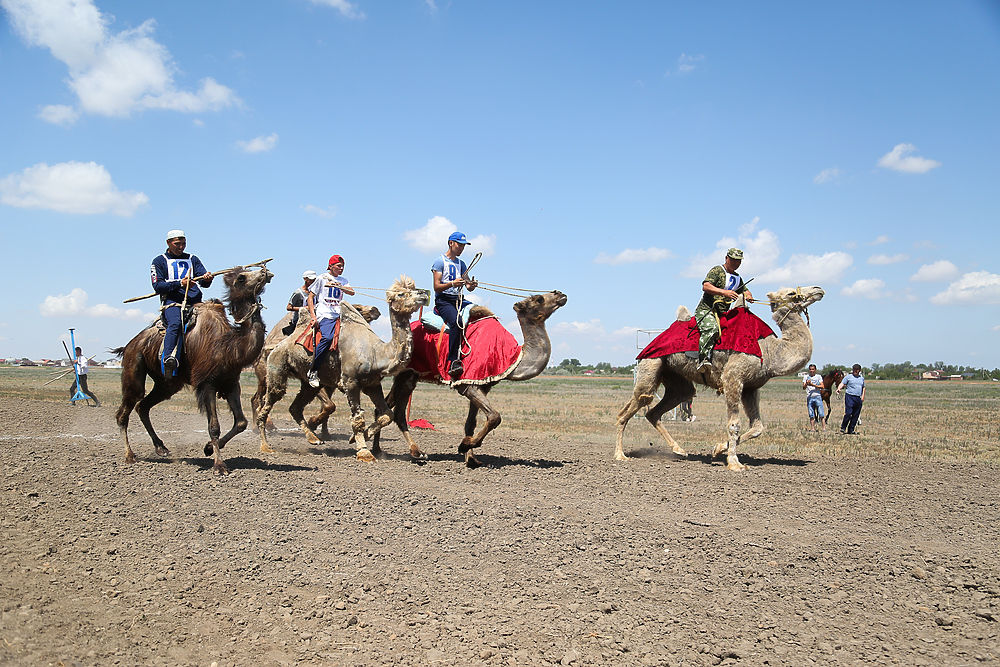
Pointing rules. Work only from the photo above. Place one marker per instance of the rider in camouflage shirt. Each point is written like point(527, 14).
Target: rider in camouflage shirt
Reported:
point(721, 286)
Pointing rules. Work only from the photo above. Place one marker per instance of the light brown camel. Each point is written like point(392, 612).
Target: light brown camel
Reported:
point(358, 365)
point(215, 352)
point(275, 336)
point(736, 375)
point(532, 313)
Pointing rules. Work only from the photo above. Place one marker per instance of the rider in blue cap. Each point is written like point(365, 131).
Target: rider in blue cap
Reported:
point(449, 279)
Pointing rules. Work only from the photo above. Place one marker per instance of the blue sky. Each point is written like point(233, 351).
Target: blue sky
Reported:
point(608, 150)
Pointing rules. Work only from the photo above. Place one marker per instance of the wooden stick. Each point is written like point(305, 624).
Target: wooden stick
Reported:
point(58, 378)
point(261, 263)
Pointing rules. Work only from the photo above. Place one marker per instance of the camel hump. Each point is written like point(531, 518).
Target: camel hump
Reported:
point(479, 312)
point(683, 313)
point(349, 313)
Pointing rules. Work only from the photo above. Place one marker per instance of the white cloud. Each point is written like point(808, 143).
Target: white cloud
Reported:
point(802, 269)
point(977, 288)
point(111, 74)
point(75, 303)
point(687, 64)
point(625, 332)
point(433, 237)
point(259, 144)
point(880, 239)
point(69, 187)
point(59, 114)
point(347, 9)
point(866, 288)
point(760, 252)
point(589, 328)
point(882, 260)
point(938, 271)
point(996, 328)
point(327, 212)
point(632, 256)
point(899, 159)
point(827, 175)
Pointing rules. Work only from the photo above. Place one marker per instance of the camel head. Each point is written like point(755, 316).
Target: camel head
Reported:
point(245, 284)
point(538, 307)
point(405, 298)
point(370, 313)
point(794, 299)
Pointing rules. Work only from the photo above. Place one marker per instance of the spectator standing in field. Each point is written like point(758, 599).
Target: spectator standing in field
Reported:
point(721, 287)
point(813, 384)
point(854, 396)
point(82, 366)
point(449, 279)
point(298, 300)
point(325, 295)
point(172, 275)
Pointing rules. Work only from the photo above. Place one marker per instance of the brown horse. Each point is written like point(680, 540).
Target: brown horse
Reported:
point(215, 352)
point(830, 380)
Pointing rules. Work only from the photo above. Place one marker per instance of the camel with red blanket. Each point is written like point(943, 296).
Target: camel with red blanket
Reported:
point(738, 370)
point(493, 355)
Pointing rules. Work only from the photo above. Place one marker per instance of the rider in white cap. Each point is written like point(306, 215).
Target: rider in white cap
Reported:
point(298, 300)
point(172, 276)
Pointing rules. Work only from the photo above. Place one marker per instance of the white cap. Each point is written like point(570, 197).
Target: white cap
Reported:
point(174, 233)
point(309, 274)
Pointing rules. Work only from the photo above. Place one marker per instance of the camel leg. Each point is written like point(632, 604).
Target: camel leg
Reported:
point(206, 400)
point(322, 417)
point(239, 419)
point(732, 388)
point(303, 398)
point(133, 388)
point(399, 397)
point(751, 406)
point(353, 392)
point(476, 394)
point(157, 394)
point(674, 395)
point(383, 416)
point(276, 387)
point(643, 393)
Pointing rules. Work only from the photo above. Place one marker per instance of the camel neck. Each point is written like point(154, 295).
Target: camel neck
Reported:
point(795, 347)
point(535, 352)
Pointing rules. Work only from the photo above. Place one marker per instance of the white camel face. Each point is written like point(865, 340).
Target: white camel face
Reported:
point(797, 297)
point(404, 297)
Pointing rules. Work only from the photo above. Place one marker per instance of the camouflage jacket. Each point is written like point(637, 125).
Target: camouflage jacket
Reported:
point(717, 276)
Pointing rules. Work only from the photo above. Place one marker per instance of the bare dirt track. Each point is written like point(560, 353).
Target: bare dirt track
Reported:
point(554, 554)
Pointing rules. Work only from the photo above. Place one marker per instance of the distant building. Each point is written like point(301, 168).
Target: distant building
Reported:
point(938, 375)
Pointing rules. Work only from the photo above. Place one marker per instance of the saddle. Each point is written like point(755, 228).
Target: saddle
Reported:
point(310, 338)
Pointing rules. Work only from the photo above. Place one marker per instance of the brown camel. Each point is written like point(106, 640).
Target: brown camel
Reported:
point(358, 365)
point(737, 375)
point(215, 352)
point(532, 313)
point(275, 336)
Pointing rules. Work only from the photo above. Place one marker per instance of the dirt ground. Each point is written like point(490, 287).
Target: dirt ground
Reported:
point(553, 554)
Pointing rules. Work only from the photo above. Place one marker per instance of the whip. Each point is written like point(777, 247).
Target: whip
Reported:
point(262, 263)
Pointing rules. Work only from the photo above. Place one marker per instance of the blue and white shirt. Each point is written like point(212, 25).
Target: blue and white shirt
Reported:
point(811, 388)
point(853, 385)
point(451, 270)
point(328, 295)
point(166, 272)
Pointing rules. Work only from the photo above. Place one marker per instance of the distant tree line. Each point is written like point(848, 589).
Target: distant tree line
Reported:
point(574, 367)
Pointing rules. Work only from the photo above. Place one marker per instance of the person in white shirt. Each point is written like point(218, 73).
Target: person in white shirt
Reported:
point(325, 295)
point(449, 280)
point(813, 384)
point(82, 366)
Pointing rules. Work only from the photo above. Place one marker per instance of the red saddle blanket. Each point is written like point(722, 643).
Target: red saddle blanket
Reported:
point(741, 332)
point(492, 352)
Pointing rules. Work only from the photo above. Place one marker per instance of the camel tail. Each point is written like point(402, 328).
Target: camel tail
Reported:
point(683, 313)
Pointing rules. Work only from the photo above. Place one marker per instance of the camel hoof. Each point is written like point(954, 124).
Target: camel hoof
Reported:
point(130, 458)
point(366, 456)
point(417, 455)
point(466, 446)
point(679, 451)
point(162, 451)
point(270, 426)
point(313, 440)
point(720, 449)
point(734, 464)
point(620, 456)
point(209, 451)
point(220, 468)
point(266, 449)
point(471, 461)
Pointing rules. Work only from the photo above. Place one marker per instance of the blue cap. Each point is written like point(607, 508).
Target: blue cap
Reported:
point(459, 237)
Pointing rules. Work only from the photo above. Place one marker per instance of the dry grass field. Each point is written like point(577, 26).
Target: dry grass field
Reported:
point(881, 548)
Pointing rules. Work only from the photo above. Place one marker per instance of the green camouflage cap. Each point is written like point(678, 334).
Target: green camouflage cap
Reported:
point(735, 253)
